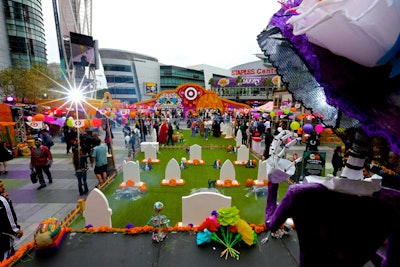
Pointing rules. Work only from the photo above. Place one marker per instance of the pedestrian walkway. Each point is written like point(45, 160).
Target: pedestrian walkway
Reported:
point(61, 197)
point(57, 199)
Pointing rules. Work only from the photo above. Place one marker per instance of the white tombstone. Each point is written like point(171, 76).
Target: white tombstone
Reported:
point(262, 173)
point(195, 154)
point(228, 131)
point(198, 206)
point(227, 172)
point(97, 211)
point(239, 138)
point(143, 145)
point(153, 136)
point(150, 154)
point(131, 171)
point(173, 171)
point(242, 155)
point(222, 126)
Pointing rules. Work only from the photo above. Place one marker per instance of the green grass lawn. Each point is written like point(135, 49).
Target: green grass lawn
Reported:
point(139, 211)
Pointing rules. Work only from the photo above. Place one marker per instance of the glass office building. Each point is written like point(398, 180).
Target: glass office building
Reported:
point(22, 34)
point(173, 76)
point(131, 77)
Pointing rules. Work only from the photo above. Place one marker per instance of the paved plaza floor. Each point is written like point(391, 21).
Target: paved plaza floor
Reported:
point(61, 197)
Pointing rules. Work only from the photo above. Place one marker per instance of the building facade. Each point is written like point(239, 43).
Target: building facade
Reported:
point(253, 83)
point(173, 76)
point(131, 77)
point(22, 34)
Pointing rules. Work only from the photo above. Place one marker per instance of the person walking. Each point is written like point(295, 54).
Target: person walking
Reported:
point(41, 160)
point(80, 161)
point(131, 145)
point(70, 136)
point(98, 159)
point(9, 228)
point(337, 160)
point(170, 134)
point(268, 141)
point(4, 156)
point(207, 128)
point(193, 127)
point(46, 138)
point(109, 137)
point(127, 132)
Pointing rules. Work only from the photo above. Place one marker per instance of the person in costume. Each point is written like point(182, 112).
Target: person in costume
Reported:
point(9, 228)
point(162, 136)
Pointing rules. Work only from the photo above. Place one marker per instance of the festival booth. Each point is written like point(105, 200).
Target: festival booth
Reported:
point(189, 99)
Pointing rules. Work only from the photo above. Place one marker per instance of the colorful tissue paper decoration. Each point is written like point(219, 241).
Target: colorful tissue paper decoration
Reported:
point(227, 228)
point(160, 223)
point(48, 235)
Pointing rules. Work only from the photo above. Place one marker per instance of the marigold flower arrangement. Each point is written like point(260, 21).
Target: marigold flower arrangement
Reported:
point(228, 183)
point(249, 182)
point(227, 228)
point(172, 182)
point(129, 229)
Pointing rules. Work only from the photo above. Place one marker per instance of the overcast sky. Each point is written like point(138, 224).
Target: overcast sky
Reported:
point(177, 32)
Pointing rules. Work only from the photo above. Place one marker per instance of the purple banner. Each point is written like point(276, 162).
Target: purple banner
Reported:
point(247, 81)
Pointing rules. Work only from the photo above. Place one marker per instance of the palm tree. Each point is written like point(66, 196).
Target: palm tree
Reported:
point(239, 80)
point(211, 82)
point(267, 82)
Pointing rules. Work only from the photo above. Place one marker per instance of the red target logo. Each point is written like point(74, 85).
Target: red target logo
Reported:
point(191, 93)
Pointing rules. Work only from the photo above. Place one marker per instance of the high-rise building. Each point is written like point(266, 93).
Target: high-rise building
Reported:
point(131, 77)
point(22, 35)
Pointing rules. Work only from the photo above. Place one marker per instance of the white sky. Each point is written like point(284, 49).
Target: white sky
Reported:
point(177, 32)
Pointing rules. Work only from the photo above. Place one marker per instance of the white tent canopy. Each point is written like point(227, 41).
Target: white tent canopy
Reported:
point(267, 107)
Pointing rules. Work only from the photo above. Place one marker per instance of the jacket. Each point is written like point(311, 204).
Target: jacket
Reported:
point(42, 158)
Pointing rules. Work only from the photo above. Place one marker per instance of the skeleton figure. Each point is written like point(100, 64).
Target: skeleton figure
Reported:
point(324, 208)
point(279, 168)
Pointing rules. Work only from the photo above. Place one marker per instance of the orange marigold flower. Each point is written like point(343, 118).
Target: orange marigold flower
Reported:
point(249, 182)
point(130, 183)
point(172, 182)
point(143, 188)
point(228, 183)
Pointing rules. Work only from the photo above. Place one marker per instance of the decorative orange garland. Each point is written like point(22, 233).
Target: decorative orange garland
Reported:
point(18, 254)
point(26, 248)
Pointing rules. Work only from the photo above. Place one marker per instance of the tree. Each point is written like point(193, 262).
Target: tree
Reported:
point(211, 82)
point(267, 82)
point(239, 80)
point(29, 83)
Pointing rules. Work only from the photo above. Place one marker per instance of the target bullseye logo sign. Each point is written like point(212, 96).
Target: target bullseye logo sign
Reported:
point(191, 93)
point(35, 124)
point(78, 123)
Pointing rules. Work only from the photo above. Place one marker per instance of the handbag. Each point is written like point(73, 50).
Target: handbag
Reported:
point(10, 154)
point(34, 177)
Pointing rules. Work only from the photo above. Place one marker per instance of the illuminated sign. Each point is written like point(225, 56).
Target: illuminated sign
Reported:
point(252, 71)
point(246, 81)
point(151, 88)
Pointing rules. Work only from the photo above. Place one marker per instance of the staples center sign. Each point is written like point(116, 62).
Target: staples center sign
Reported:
point(257, 71)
